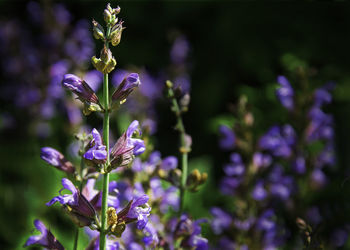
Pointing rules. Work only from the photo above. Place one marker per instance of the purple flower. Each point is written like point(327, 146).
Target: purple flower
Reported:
point(46, 239)
point(228, 137)
point(262, 160)
point(151, 236)
point(80, 88)
point(126, 146)
point(56, 159)
point(278, 141)
point(139, 210)
point(192, 229)
point(322, 96)
point(259, 193)
point(169, 163)
point(299, 165)
point(125, 88)
point(179, 50)
point(285, 93)
point(97, 151)
point(221, 220)
point(265, 221)
point(76, 204)
point(236, 168)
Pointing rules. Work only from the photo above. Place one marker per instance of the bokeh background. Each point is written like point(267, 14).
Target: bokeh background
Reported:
point(234, 49)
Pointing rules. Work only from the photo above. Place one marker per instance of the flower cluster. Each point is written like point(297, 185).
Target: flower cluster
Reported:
point(144, 204)
point(267, 176)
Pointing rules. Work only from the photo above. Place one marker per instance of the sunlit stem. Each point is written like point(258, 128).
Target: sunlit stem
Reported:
point(183, 148)
point(104, 207)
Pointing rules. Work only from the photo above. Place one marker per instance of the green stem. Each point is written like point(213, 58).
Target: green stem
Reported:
point(76, 239)
point(183, 148)
point(105, 175)
point(104, 207)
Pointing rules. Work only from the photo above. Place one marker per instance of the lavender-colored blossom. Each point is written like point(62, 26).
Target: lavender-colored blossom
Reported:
point(56, 159)
point(277, 143)
point(299, 166)
point(322, 96)
point(46, 239)
point(125, 88)
point(221, 220)
point(236, 168)
point(97, 151)
point(229, 184)
point(228, 138)
point(179, 50)
point(285, 93)
point(265, 222)
point(140, 210)
point(262, 160)
point(243, 225)
point(169, 163)
point(259, 193)
point(126, 146)
point(318, 178)
point(77, 205)
point(151, 236)
point(80, 88)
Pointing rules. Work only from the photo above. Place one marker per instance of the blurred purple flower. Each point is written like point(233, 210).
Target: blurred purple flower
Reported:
point(259, 193)
point(56, 159)
point(299, 166)
point(169, 163)
point(46, 239)
point(228, 137)
point(285, 93)
point(221, 220)
point(179, 50)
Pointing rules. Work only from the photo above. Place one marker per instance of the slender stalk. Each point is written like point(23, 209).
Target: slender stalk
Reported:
point(76, 239)
point(105, 175)
point(183, 148)
point(104, 207)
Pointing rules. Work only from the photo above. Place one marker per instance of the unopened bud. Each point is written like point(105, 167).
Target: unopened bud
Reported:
point(129, 83)
point(116, 33)
point(107, 16)
point(204, 178)
point(185, 100)
point(98, 31)
point(106, 55)
point(169, 84)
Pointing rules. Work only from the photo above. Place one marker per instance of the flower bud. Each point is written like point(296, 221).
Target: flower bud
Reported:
point(107, 16)
point(56, 159)
point(106, 65)
point(129, 83)
point(80, 88)
point(106, 55)
point(116, 33)
point(98, 31)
